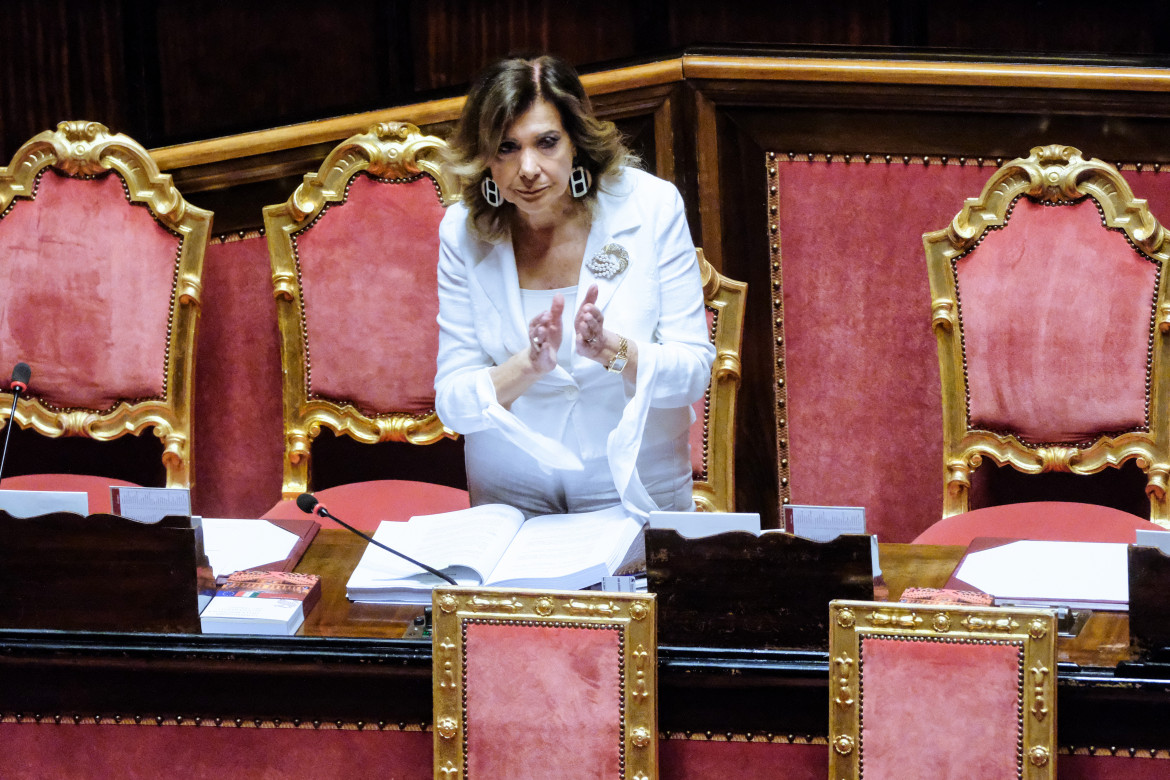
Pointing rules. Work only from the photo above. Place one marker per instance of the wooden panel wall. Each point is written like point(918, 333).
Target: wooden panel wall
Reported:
point(170, 71)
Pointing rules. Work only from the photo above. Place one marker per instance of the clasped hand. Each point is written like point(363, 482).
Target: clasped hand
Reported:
point(545, 332)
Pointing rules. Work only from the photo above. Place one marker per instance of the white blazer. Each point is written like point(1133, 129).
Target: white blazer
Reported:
point(657, 302)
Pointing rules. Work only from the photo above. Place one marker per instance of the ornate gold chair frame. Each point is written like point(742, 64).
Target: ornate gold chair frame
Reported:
point(725, 299)
point(631, 615)
point(86, 149)
point(1031, 631)
point(1051, 174)
point(390, 150)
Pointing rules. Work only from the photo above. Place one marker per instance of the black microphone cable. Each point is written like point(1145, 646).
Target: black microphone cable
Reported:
point(309, 504)
point(21, 375)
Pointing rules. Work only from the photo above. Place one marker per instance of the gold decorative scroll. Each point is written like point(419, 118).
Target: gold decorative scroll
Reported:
point(843, 681)
point(1040, 692)
point(504, 604)
point(1051, 174)
point(632, 614)
point(976, 623)
point(83, 148)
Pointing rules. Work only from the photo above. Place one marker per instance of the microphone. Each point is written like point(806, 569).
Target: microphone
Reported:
point(309, 504)
point(21, 375)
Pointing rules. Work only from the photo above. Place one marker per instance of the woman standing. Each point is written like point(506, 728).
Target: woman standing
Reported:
point(573, 338)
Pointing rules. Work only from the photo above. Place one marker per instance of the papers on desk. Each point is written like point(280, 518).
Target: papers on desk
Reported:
point(824, 523)
point(1151, 538)
point(236, 545)
point(696, 525)
point(1078, 575)
point(149, 505)
point(32, 503)
point(492, 544)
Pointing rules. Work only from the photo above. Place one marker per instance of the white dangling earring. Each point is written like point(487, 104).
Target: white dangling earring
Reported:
point(491, 193)
point(579, 181)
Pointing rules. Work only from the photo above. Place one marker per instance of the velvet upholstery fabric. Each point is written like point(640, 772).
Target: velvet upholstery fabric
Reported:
point(102, 752)
point(932, 709)
point(1058, 521)
point(542, 701)
point(87, 279)
point(366, 504)
point(863, 404)
point(370, 295)
point(1056, 313)
point(696, 439)
point(719, 759)
point(238, 424)
point(99, 752)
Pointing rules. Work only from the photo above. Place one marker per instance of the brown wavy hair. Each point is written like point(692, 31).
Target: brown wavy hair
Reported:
point(502, 92)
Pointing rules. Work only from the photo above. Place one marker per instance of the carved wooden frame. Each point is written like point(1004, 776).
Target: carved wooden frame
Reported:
point(391, 150)
point(1050, 174)
point(1033, 630)
point(633, 614)
point(726, 299)
point(86, 149)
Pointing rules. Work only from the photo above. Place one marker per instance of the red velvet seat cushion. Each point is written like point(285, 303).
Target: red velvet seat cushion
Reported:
point(365, 504)
point(98, 488)
point(1038, 520)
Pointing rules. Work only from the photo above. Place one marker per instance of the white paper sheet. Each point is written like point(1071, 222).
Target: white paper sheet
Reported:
point(235, 545)
point(1076, 574)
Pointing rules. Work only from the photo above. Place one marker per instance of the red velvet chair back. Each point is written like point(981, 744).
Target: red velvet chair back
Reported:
point(544, 684)
point(353, 260)
point(1050, 312)
point(922, 692)
point(100, 266)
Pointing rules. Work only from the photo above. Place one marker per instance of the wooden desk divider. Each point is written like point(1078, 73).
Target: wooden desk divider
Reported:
point(738, 590)
point(1149, 609)
point(101, 573)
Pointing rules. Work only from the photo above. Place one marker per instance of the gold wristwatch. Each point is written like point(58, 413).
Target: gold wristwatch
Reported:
point(617, 363)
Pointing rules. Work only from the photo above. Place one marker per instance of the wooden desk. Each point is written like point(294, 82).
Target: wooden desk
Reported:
point(351, 666)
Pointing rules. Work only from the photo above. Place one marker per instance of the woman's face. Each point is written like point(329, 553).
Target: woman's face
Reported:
point(534, 162)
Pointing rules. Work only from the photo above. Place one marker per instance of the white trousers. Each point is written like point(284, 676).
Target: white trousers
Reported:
point(499, 472)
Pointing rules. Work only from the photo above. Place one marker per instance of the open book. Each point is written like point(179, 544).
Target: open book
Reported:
point(493, 544)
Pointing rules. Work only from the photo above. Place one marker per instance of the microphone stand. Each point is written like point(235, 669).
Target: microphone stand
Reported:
point(319, 509)
point(8, 428)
